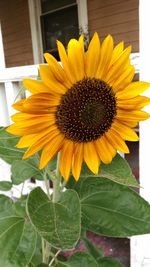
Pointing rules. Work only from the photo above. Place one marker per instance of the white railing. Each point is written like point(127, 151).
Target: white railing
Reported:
point(10, 85)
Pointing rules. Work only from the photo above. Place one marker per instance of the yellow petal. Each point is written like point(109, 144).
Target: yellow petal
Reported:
point(132, 90)
point(134, 115)
point(18, 129)
point(76, 59)
point(137, 102)
point(125, 132)
point(20, 117)
point(35, 87)
point(26, 141)
point(93, 56)
point(105, 56)
point(51, 149)
point(42, 100)
point(78, 159)
point(105, 151)
point(41, 142)
point(124, 79)
point(116, 69)
point(117, 52)
point(131, 124)
point(81, 42)
point(55, 87)
point(19, 105)
point(116, 141)
point(66, 159)
point(91, 157)
point(30, 139)
point(57, 70)
point(65, 63)
point(38, 107)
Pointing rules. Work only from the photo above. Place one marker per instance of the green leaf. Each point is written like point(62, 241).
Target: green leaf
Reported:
point(62, 264)
point(25, 169)
point(17, 236)
point(81, 259)
point(5, 185)
point(8, 151)
point(42, 265)
point(110, 262)
point(92, 249)
point(112, 209)
point(118, 171)
point(37, 257)
point(59, 223)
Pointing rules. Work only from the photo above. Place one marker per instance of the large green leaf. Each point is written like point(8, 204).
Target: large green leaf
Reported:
point(8, 151)
point(81, 259)
point(25, 169)
point(118, 171)
point(112, 209)
point(42, 265)
point(5, 185)
point(17, 236)
point(59, 223)
point(92, 249)
point(61, 264)
point(110, 262)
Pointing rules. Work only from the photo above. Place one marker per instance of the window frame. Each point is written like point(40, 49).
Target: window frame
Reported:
point(36, 30)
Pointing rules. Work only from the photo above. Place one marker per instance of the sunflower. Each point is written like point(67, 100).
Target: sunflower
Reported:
point(85, 108)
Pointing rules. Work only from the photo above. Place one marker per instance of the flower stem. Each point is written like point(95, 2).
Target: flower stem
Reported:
point(54, 258)
point(57, 182)
point(46, 184)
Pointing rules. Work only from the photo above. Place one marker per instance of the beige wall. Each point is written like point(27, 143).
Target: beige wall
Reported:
point(117, 17)
point(14, 17)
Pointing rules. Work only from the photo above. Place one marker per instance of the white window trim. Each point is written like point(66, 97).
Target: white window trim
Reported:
point(2, 55)
point(83, 16)
point(36, 33)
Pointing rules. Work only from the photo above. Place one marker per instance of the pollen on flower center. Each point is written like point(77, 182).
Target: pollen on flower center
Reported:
point(86, 111)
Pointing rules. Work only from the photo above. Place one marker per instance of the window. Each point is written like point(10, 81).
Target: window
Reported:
point(59, 20)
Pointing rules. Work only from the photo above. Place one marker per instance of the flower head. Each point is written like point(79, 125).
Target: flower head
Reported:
point(85, 108)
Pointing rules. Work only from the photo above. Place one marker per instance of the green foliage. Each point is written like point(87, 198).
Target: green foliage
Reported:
point(58, 223)
point(112, 209)
point(110, 262)
point(17, 236)
point(23, 170)
point(93, 250)
point(8, 151)
point(105, 202)
point(42, 265)
point(5, 185)
point(81, 259)
point(118, 171)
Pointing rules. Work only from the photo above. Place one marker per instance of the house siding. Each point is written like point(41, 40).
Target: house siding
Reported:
point(14, 18)
point(117, 17)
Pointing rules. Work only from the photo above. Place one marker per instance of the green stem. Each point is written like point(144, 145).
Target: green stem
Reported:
point(54, 258)
point(46, 184)
point(57, 182)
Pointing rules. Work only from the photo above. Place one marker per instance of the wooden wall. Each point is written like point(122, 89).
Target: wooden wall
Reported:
point(14, 18)
point(117, 17)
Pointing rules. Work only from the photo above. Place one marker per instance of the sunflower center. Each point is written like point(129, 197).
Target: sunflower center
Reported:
point(86, 111)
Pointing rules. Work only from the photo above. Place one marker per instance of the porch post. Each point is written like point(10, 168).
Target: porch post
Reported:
point(140, 245)
point(2, 58)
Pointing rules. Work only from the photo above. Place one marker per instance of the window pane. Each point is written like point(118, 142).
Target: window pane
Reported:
point(49, 5)
point(60, 25)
